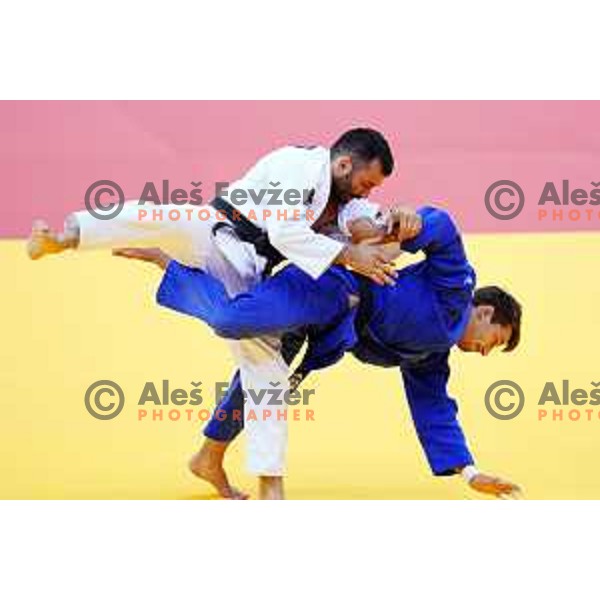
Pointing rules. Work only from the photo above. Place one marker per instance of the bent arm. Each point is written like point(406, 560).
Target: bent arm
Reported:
point(313, 252)
point(441, 242)
point(289, 228)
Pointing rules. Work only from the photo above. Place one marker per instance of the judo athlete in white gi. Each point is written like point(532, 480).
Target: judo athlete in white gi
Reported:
point(315, 183)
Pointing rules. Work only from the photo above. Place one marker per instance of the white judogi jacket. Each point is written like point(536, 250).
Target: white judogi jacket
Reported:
point(289, 181)
point(237, 265)
point(284, 180)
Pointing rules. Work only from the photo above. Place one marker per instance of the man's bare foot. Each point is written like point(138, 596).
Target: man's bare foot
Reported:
point(270, 488)
point(44, 241)
point(207, 464)
point(152, 255)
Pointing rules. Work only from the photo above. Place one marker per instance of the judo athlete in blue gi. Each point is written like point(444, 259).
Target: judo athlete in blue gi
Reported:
point(411, 326)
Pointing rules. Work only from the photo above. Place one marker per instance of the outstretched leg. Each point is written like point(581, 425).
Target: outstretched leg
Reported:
point(185, 240)
point(287, 301)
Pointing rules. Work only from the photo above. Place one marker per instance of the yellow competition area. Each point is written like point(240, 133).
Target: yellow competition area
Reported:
point(72, 320)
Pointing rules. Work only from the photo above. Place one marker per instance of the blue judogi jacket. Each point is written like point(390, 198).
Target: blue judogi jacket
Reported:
point(411, 325)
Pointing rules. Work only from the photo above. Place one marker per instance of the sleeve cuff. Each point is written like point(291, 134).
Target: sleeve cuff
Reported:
point(329, 250)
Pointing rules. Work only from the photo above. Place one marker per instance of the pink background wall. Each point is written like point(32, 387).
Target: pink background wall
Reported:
point(50, 152)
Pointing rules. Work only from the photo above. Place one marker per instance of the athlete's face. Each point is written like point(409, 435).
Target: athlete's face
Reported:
point(353, 179)
point(481, 334)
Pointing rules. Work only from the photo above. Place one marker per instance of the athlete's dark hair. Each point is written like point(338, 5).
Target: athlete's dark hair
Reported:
point(507, 311)
point(365, 145)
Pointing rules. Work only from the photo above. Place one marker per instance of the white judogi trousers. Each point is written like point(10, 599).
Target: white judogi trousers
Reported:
point(236, 264)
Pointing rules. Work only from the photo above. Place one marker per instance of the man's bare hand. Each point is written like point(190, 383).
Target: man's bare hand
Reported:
point(370, 259)
point(391, 251)
point(488, 484)
point(152, 255)
point(404, 223)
